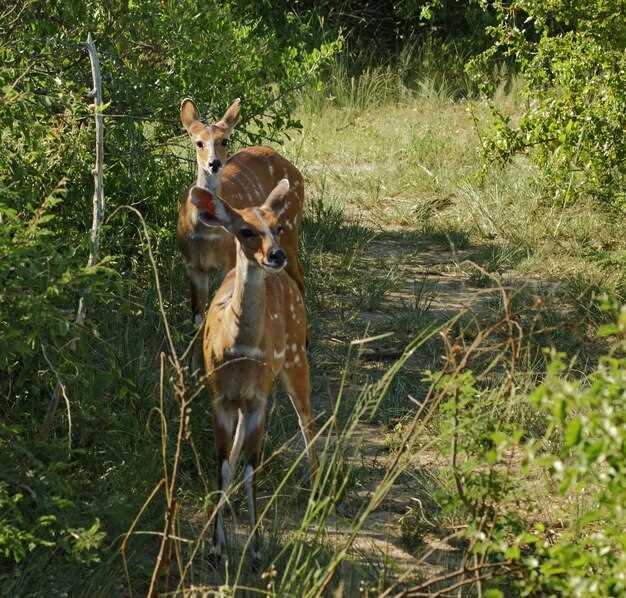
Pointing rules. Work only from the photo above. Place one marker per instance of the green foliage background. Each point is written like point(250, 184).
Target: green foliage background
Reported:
point(64, 503)
point(572, 57)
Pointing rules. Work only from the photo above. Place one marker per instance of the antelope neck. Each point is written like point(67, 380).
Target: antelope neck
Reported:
point(248, 301)
point(207, 180)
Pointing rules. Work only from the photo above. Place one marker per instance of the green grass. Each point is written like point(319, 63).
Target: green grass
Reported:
point(413, 163)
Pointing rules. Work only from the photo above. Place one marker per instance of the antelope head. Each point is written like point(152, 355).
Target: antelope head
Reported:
point(210, 141)
point(257, 230)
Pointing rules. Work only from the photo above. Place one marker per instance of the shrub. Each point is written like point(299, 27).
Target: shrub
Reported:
point(495, 462)
point(572, 59)
point(152, 54)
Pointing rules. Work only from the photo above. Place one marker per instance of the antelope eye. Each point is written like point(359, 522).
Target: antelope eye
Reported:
point(247, 233)
point(199, 144)
point(224, 142)
point(280, 230)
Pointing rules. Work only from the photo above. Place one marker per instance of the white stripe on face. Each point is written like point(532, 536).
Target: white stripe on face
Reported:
point(263, 225)
point(210, 145)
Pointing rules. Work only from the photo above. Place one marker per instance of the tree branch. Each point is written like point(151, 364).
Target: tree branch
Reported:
point(98, 192)
point(96, 224)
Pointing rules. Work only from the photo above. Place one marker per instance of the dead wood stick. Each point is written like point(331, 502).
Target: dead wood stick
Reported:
point(96, 223)
point(98, 191)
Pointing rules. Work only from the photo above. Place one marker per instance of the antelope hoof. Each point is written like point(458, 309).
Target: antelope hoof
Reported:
point(216, 554)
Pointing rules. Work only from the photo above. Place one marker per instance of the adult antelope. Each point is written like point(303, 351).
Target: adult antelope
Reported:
point(255, 331)
point(244, 180)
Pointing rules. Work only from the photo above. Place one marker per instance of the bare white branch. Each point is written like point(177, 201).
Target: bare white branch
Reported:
point(96, 225)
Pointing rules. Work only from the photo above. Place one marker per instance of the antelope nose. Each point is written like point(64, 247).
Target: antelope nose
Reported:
point(214, 165)
point(277, 256)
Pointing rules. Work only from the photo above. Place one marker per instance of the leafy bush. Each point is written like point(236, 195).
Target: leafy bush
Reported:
point(384, 26)
point(151, 55)
point(582, 448)
point(572, 59)
point(590, 558)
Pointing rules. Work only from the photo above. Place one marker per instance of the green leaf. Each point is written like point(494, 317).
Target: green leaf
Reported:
point(607, 330)
point(573, 432)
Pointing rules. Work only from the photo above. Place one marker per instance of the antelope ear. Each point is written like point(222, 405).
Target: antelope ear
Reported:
point(211, 210)
point(277, 199)
point(188, 113)
point(231, 117)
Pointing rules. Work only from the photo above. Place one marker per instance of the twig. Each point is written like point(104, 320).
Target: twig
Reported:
point(418, 590)
point(59, 391)
point(170, 490)
point(131, 530)
point(477, 577)
point(170, 479)
point(157, 283)
point(11, 23)
point(464, 582)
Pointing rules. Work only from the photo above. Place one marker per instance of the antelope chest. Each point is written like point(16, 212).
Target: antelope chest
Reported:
point(241, 373)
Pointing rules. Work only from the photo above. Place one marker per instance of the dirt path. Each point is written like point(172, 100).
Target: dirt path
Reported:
point(429, 285)
point(432, 283)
